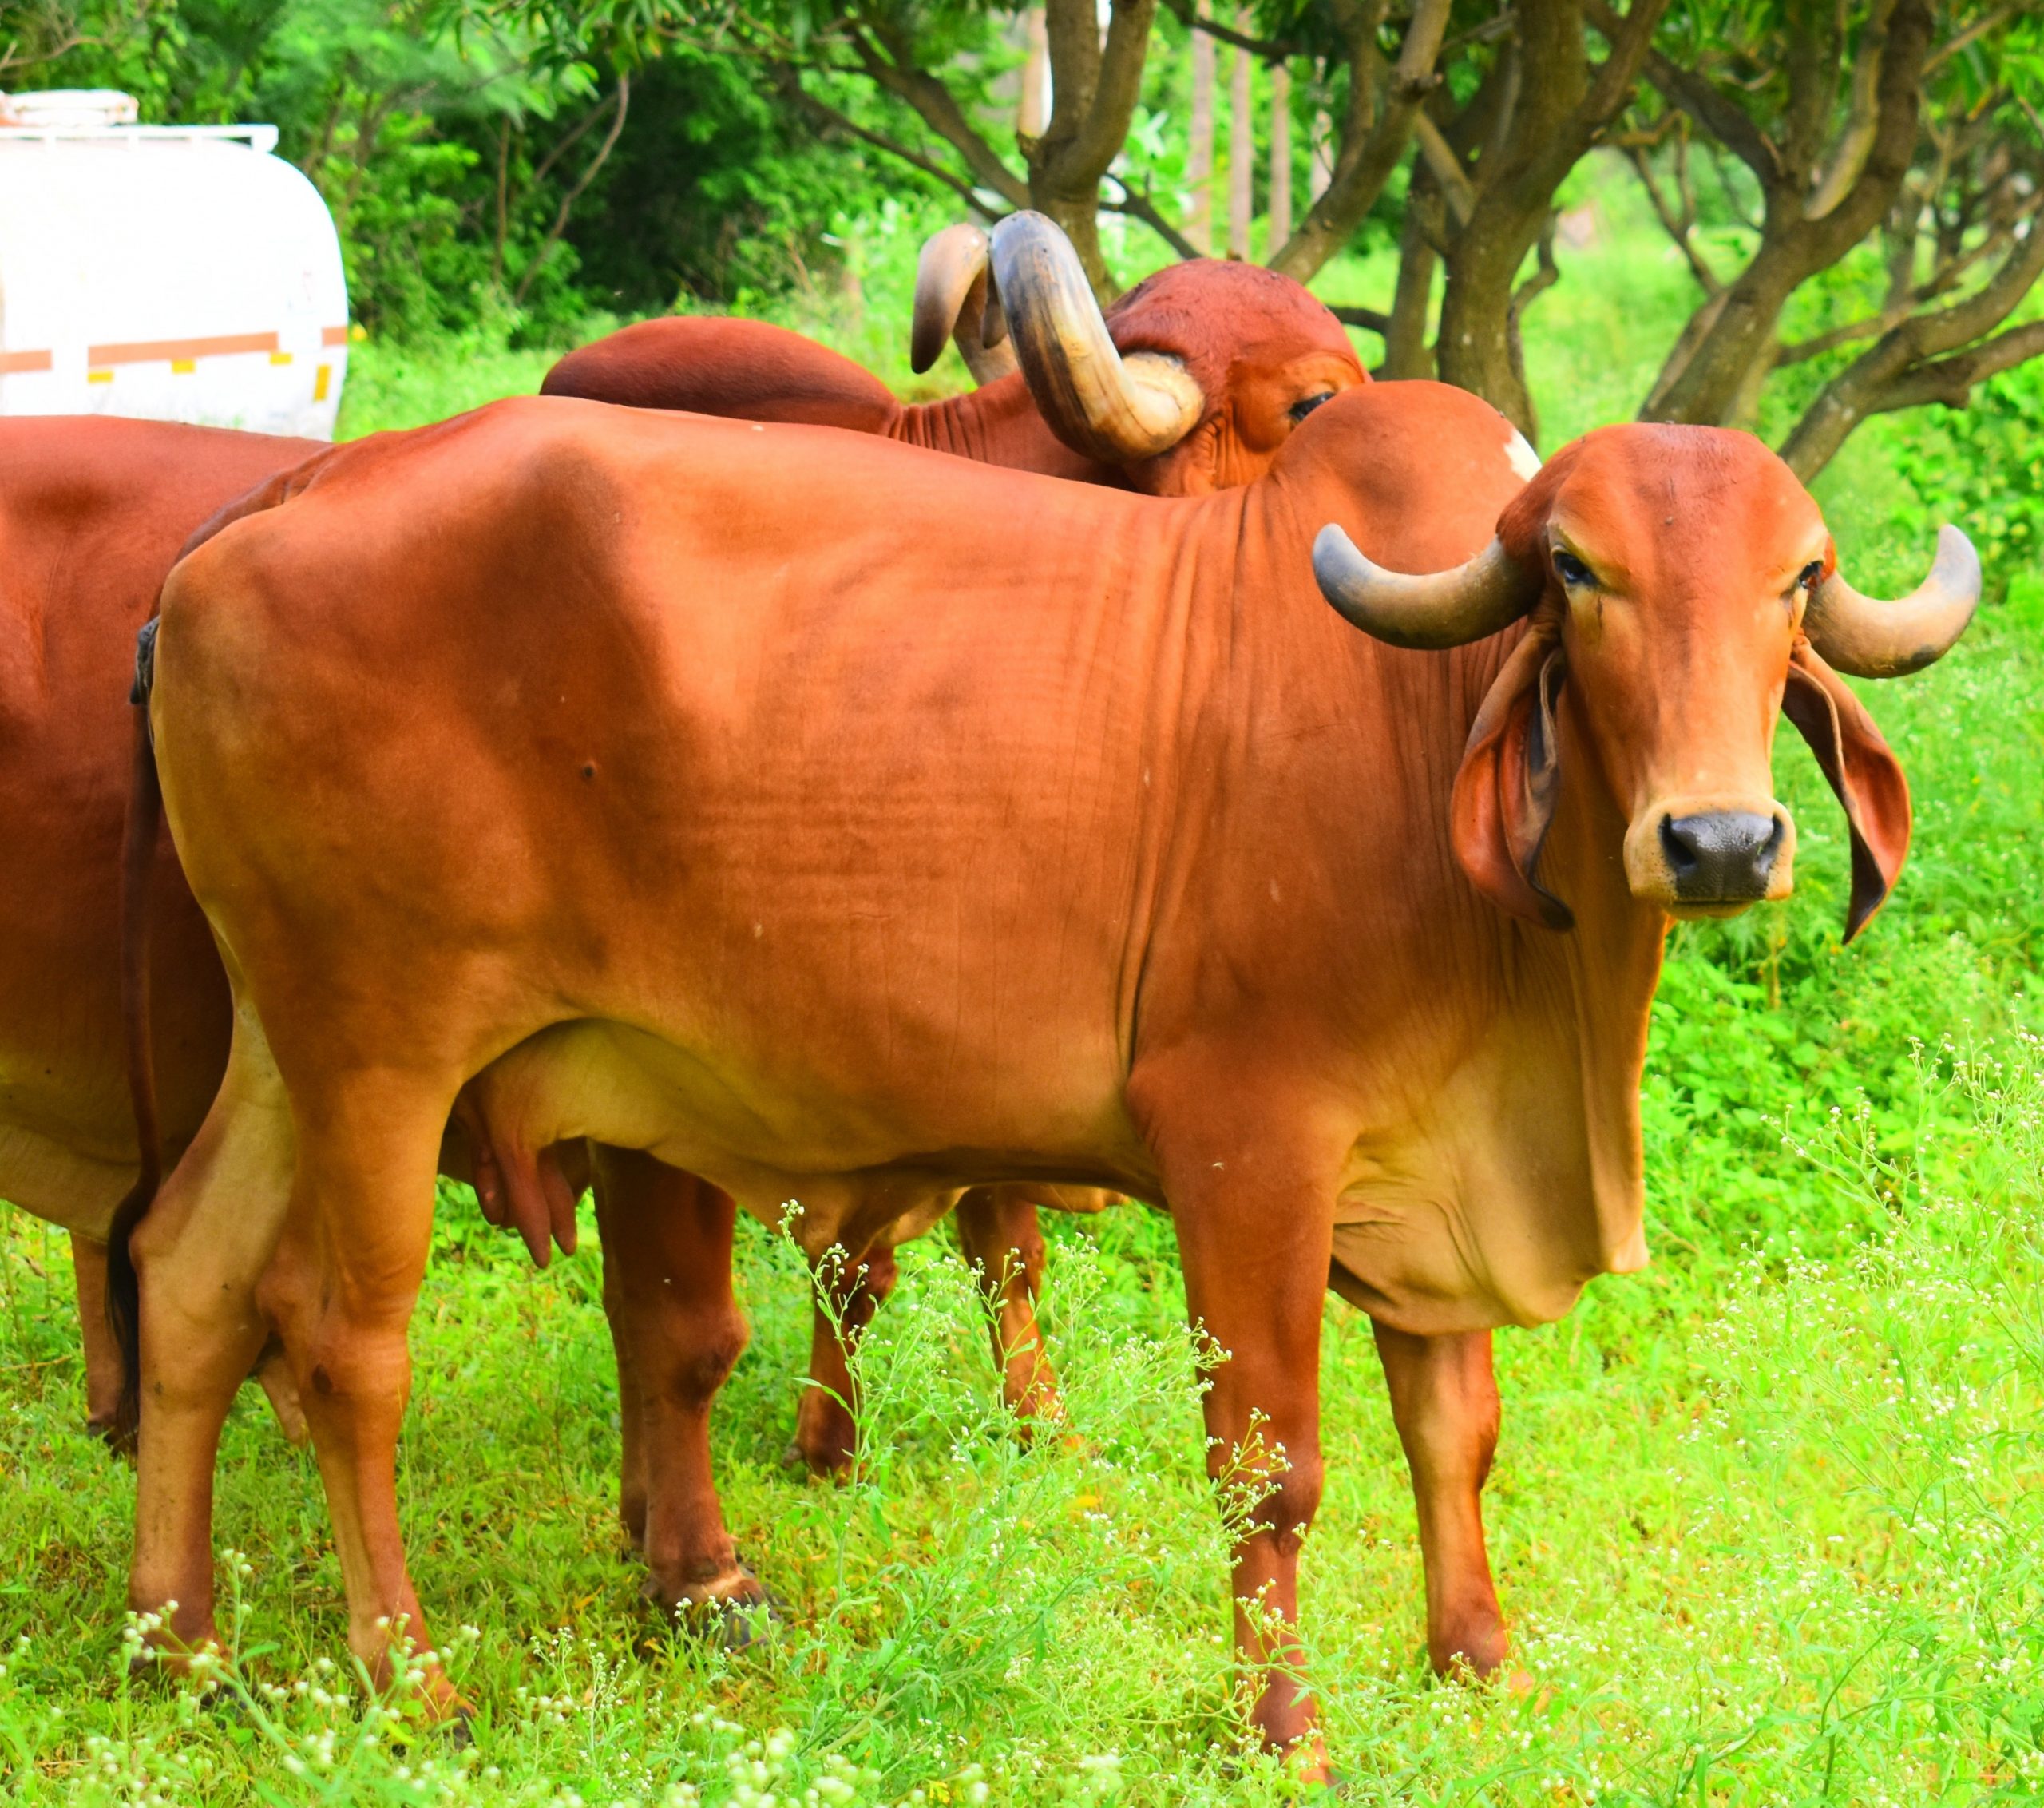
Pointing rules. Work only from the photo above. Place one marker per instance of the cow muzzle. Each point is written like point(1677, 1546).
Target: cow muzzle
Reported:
point(1710, 857)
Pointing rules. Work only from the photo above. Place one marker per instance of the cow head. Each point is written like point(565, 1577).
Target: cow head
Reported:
point(1681, 582)
point(1190, 384)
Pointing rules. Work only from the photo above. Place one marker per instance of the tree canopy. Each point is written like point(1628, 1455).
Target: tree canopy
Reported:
point(531, 158)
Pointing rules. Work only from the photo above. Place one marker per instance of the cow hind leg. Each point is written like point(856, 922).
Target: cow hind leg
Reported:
point(200, 1253)
point(341, 1290)
point(668, 1241)
point(618, 1236)
point(826, 1420)
point(1444, 1401)
point(102, 1352)
point(999, 1233)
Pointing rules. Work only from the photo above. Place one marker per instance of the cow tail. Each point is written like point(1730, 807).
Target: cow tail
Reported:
point(138, 850)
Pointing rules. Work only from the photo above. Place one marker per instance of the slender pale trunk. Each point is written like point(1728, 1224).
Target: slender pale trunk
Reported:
point(1242, 148)
point(1032, 110)
point(1281, 157)
point(1199, 146)
point(1320, 168)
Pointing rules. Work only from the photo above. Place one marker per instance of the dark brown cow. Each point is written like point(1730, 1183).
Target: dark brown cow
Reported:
point(1192, 384)
point(92, 515)
point(587, 754)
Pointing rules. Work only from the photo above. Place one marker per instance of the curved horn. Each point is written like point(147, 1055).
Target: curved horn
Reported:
point(1872, 639)
point(1444, 608)
point(952, 301)
point(1117, 410)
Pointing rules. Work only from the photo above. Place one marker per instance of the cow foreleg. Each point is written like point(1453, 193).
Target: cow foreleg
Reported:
point(998, 1231)
point(342, 1289)
point(1256, 1240)
point(826, 1424)
point(668, 1241)
point(102, 1353)
point(1444, 1400)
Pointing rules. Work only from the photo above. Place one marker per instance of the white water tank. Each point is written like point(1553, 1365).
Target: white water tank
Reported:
point(172, 273)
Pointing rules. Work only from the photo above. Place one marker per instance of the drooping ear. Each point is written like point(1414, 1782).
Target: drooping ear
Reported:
point(1862, 771)
point(1509, 780)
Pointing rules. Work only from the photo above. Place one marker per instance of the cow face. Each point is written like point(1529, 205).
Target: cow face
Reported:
point(1264, 353)
point(1194, 380)
point(1679, 564)
point(1680, 583)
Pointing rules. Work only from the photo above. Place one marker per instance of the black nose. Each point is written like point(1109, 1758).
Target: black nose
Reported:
point(1724, 857)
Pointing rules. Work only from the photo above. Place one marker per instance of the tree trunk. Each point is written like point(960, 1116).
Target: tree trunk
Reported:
point(1281, 157)
point(1720, 364)
point(1242, 150)
point(1199, 146)
point(1405, 350)
point(1474, 348)
point(1078, 217)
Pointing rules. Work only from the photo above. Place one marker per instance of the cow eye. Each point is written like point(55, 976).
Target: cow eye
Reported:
point(1807, 578)
point(1305, 405)
point(1572, 571)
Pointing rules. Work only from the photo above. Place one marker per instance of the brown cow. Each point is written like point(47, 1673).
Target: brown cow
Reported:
point(849, 840)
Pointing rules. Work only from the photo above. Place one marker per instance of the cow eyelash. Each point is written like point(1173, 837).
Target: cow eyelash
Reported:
point(1572, 571)
point(1305, 405)
point(1807, 578)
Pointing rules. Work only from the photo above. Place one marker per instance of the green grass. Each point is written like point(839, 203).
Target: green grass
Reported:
point(1767, 1520)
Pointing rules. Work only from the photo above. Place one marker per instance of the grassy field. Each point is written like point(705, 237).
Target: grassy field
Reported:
point(1767, 1520)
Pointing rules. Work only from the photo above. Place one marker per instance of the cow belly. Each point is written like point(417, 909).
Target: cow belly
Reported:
point(832, 1168)
point(52, 1177)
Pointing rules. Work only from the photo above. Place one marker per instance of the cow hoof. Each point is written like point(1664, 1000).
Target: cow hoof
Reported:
point(460, 1727)
point(733, 1622)
point(119, 1438)
point(835, 1466)
point(229, 1707)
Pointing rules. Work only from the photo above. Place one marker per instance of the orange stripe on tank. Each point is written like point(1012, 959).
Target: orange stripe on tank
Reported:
point(144, 351)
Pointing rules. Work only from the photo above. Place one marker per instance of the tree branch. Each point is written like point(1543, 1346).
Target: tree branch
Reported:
point(1138, 205)
point(1677, 226)
point(1952, 380)
point(938, 109)
point(1856, 140)
point(1368, 157)
point(837, 121)
point(1971, 35)
point(1270, 49)
point(1368, 318)
point(1111, 103)
point(1445, 168)
point(1725, 120)
point(623, 100)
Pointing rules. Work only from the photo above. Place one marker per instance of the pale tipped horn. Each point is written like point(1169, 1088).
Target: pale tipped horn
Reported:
point(1442, 608)
point(953, 301)
point(1872, 639)
point(1115, 409)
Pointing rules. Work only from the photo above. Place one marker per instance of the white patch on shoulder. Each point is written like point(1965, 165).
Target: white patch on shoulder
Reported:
point(1523, 460)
